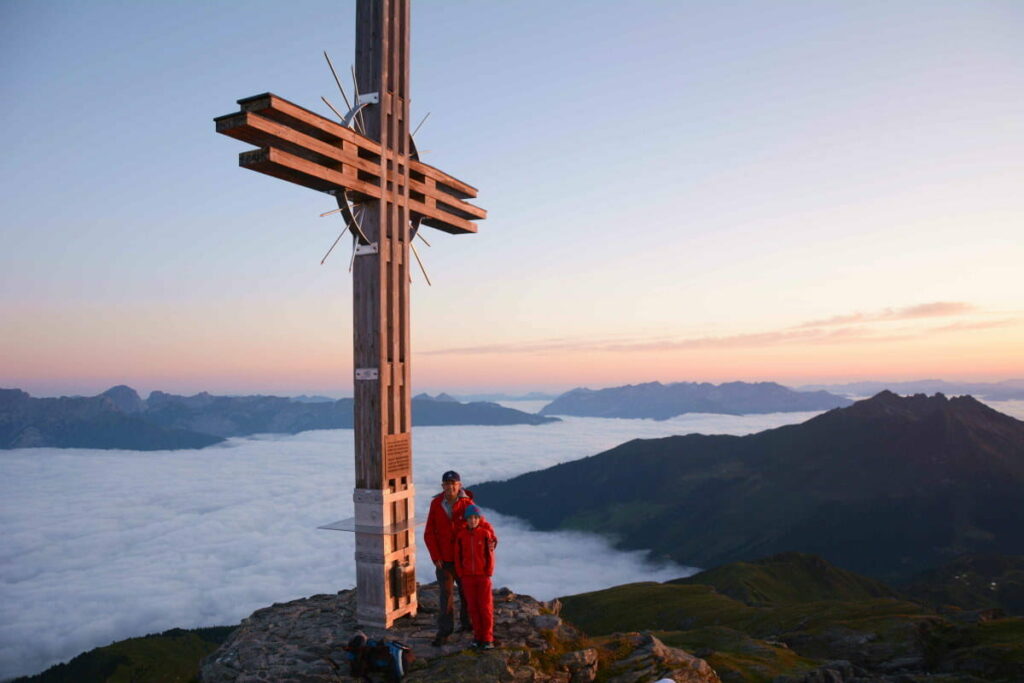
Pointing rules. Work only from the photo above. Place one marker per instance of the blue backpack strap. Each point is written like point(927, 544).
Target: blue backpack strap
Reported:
point(397, 649)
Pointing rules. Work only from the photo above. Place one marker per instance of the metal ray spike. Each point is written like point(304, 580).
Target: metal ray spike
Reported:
point(352, 261)
point(336, 112)
point(417, 255)
point(337, 80)
point(348, 211)
point(355, 87)
point(338, 239)
point(421, 124)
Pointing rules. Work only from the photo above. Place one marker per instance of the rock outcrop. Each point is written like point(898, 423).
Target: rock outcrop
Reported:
point(304, 640)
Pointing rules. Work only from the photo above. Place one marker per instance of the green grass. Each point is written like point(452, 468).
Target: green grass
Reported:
point(169, 657)
point(653, 606)
point(787, 578)
point(735, 656)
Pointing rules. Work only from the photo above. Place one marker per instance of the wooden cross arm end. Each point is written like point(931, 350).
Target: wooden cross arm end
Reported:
point(305, 148)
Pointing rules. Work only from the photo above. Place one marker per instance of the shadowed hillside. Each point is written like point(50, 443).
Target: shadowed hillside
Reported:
point(888, 487)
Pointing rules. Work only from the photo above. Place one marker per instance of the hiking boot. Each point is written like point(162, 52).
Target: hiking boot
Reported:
point(486, 646)
point(438, 641)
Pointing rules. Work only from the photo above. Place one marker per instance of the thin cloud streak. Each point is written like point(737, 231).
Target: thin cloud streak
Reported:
point(935, 309)
point(816, 333)
point(980, 325)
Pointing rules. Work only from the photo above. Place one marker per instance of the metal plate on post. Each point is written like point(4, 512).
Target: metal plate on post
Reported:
point(349, 524)
point(397, 455)
point(367, 373)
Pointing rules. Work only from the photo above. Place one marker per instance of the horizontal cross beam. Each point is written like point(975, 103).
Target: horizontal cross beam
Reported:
point(305, 148)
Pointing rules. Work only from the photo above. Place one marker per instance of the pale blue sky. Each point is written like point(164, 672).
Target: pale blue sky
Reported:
point(656, 173)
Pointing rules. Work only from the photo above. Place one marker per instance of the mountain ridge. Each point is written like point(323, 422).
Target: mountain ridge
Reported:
point(886, 487)
point(120, 418)
point(1010, 389)
point(659, 401)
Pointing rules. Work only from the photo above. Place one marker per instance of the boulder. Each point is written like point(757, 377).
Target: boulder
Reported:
point(650, 660)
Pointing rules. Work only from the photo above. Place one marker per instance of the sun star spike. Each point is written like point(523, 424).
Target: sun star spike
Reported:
point(378, 169)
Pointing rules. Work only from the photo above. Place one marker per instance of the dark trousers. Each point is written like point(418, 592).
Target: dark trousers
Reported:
point(447, 579)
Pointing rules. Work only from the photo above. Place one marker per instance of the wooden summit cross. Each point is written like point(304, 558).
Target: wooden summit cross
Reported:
point(380, 173)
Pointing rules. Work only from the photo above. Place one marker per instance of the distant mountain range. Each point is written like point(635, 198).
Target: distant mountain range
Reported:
point(659, 401)
point(888, 486)
point(531, 396)
point(120, 418)
point(1008, 390)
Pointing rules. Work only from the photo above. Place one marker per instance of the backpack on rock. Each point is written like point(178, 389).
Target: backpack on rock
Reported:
point(388, 656)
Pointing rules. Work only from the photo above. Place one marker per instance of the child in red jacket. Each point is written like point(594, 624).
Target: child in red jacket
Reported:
point(474, 562)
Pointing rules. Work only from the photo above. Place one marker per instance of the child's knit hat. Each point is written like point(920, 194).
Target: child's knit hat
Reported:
point(472, 510)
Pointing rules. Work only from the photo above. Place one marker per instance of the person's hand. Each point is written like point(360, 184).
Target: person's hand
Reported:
point(494, 544)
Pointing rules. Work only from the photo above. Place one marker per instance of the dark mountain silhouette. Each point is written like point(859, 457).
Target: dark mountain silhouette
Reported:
point(447, 398)
point(303, 398)
point(530, 396)
point(991, 391)
point(888, 487)
point(242, 415)
point(662, 401)
point(119, 418)
point(87, 422)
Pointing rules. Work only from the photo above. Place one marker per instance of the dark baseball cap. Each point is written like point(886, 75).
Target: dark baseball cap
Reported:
point(451, 475)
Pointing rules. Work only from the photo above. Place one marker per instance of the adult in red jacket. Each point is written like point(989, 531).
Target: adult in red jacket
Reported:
point(474, 562)
point(444, 521)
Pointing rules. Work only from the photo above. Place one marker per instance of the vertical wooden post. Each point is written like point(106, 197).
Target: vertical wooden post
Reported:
point(384, 492)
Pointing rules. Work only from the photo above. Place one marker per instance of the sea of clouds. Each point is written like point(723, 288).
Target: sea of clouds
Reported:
point(104, 545)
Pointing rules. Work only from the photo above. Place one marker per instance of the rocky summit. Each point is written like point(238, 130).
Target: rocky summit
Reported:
point(304, 640)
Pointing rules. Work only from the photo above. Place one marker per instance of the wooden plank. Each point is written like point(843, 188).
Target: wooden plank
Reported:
point(280, 164)
point(442, 220)
point(263, 132)
point(455, 206)
point(310, 123)
point(453, 226)
point(302, 133)
point(368, 283)
point(295, 169)
point(451, 184)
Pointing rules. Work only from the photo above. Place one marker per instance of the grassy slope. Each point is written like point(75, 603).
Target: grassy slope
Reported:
point(791, 624)
point(788, 577)
point(169, 657)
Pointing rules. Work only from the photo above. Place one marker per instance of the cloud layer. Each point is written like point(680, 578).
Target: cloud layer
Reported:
point(104, 545)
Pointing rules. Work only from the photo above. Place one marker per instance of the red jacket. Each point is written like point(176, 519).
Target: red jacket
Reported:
point(442, 529)
point(474, 553)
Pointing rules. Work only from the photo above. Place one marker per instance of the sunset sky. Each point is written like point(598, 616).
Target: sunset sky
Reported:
point(793, 191)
